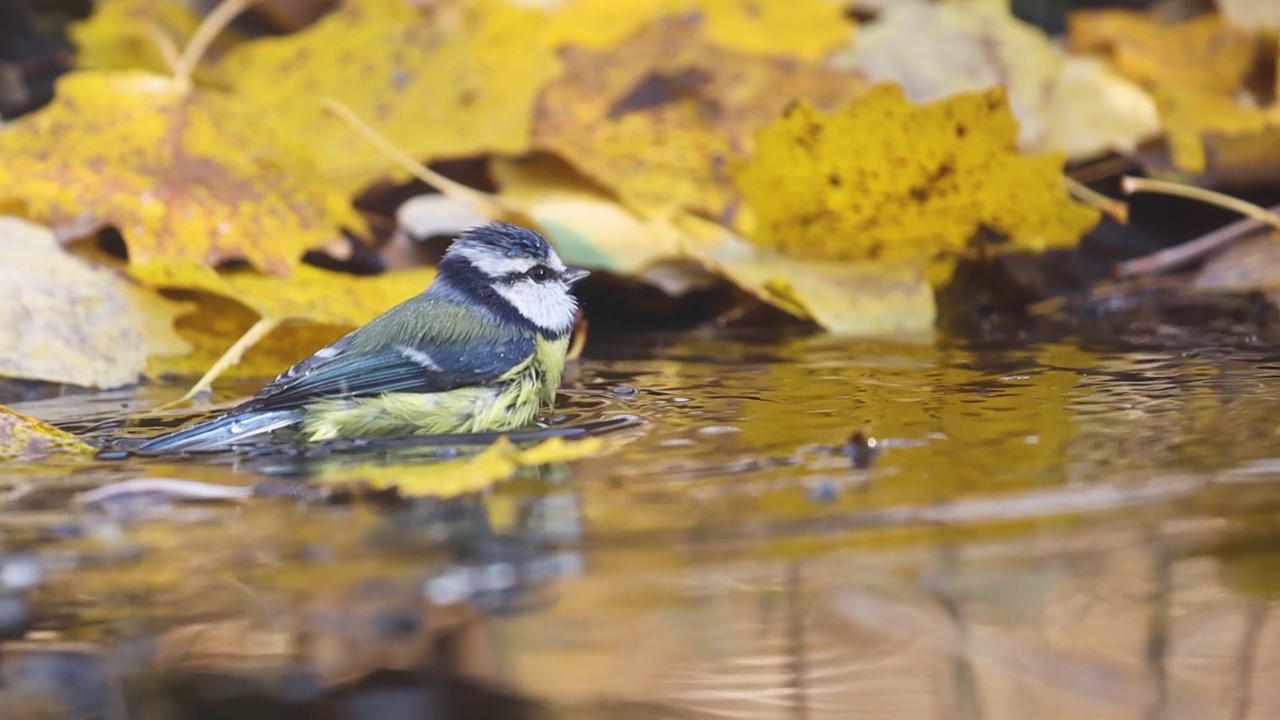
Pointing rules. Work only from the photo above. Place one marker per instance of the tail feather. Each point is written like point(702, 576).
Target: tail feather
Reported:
point(221, 433)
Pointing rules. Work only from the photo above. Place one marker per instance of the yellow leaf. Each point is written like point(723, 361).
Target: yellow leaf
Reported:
point(656, 118)
point(321, 306)
point(805, 29)
point(456, 477)
point(885, 180)
point(23, 437)
point(65, 320)
point(845, 298)
point(1193, 117)
point(448, 81)
point(189, 179)
point(1203, 52)
point(120, 34)
point(589, 228)
point(935, 50)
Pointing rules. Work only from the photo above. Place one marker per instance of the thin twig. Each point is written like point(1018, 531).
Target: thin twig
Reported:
point(1132, 185)
point(260, 329)
point(1179, 255)
point(169, 487)
point(166, 46)
point(491, 203)
point(213, 24)
point(1087, 195)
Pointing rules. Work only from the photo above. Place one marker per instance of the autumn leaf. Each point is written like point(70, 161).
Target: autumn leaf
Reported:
point(66, 320)
point(1207, 131)
point(456, 477)
point(844, 297)
point(885, 180)
point(121, 34)
point(936, 50)
point(445, 81)
point(804, 29)
point(26, 437)
point(587, 226)
point(1203, 52)
point(656, 118)
point(313, 307)
point(189, 178)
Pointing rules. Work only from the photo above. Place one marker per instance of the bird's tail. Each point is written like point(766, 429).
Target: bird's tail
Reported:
point(221, 433)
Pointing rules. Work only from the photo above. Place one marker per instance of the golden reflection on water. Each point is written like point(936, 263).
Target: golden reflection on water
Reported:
point(1048, 533)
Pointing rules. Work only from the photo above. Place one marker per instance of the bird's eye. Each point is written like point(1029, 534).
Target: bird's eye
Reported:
point(540, 273)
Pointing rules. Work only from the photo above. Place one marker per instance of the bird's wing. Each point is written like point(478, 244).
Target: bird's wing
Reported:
point(401, 354)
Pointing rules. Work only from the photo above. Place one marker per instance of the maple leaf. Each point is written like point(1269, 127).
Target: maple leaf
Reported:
point(883, 179)
point(450, 81)
point(188, 177)
point(656, 118)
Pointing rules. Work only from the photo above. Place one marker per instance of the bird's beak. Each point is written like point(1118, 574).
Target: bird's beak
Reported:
point(573, 274)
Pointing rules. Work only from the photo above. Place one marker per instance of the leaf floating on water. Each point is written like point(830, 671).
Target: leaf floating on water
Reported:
point(448, 478)
point(133, 150)
point(886, 180)
point(64, 320)
point(27, 437)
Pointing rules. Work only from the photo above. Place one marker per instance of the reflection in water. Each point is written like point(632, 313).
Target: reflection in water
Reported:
point(1046, 532)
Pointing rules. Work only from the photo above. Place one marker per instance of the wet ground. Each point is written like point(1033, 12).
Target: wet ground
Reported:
point(1041, 531)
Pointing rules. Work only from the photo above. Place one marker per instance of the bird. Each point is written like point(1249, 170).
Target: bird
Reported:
point(481, 349)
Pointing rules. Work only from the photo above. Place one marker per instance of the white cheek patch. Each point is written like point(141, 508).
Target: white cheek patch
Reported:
point(547, 305)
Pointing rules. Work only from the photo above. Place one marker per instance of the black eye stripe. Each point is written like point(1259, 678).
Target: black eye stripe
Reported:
point(537, 273)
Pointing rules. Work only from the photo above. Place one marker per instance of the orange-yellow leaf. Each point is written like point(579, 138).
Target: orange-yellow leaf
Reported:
point(188, 178)
point(657, 118)
point(1204, 52)
point(886, 180)
point(438, 80)
point(805, 29)
point(24, 437)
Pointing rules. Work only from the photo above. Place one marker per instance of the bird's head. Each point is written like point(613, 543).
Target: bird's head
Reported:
point(516, 267)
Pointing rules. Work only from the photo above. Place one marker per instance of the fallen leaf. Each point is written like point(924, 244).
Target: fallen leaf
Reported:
point(935, 50)
point(1197, 119)
point(189, 179)
point(427, 216)
point(656, 118)
point(845, 298)
point(1251, 14)
point(438, 80)
point(25, 437)
point(885, 180)
point(588, 227)
point(1202, 52)
point(120, 34)
point(804, 29)
point(66, 320)
point(318, 307)
point(465, 475)
point(1092, 110)
point(1250, 264)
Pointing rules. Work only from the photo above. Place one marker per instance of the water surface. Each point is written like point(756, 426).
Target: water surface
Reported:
point(1047, 531)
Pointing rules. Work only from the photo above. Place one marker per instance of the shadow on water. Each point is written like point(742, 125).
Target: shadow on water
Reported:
point(811, 529)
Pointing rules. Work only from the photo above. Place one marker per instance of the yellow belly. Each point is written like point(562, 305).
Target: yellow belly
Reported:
point(513, 402)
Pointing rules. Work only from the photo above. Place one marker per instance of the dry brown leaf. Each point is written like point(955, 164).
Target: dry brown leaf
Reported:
point(656, 118)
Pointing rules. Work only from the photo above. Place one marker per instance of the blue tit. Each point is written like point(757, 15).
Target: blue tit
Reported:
point(481, 349)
